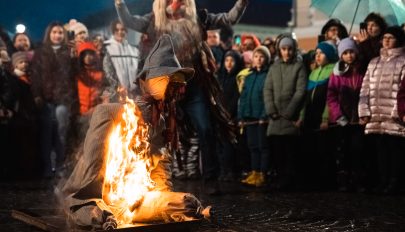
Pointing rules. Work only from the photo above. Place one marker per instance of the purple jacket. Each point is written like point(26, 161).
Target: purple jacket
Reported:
point(343, 94)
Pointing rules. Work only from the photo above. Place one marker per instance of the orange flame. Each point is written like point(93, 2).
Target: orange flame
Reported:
point(127, 176)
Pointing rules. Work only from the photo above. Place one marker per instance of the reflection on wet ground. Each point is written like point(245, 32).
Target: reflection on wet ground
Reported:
point(241, 208)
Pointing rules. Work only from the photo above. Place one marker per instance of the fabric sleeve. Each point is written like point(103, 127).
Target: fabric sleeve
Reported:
point(333, 98)
point(268, 94)
point(216, 21)
point(134, 22)
point(401, 99)
point(364, 101)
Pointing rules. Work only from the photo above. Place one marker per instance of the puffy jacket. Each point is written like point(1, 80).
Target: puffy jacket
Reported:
point(378, 95)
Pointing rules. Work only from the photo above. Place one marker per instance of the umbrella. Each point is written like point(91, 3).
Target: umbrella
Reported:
point(355, 11)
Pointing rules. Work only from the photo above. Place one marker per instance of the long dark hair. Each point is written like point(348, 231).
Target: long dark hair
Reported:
point(47, 40)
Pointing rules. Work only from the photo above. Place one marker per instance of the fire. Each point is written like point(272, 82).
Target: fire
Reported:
point(127, 174)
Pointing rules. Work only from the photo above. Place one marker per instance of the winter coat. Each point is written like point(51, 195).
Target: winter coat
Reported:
point(315, 108)
point(378, 95)
point(368, 50)
point(251, 104)
point(90, 84)
point(7, 90)
point(343, 94)
point(401, 100)
point(52, 78)
point(283, 93)
point(227, 81)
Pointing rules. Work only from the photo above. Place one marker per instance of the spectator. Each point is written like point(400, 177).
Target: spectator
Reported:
point(370, 39)
point(24, 132)
point(22, 42)
point(378, 108)
point(333, 31)
point(53, 91)
point(120, 62)
point(252, 116)
point(227, 79)
point(283, 93)
point(317, 140)
point(214, 42)
point(343, 97)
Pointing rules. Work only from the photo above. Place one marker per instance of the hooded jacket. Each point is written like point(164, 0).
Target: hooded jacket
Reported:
point(378, 95)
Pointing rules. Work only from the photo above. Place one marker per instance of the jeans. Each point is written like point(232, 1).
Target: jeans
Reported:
point(196, 106)
point(54, 122)
point(258, 147)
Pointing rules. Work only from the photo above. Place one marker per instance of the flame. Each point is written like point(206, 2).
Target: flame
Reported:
point(127, 174)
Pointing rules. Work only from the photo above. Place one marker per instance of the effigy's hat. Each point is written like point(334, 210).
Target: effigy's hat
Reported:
point(162, 61)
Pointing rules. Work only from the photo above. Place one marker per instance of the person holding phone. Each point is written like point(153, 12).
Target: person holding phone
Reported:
point(369, 38)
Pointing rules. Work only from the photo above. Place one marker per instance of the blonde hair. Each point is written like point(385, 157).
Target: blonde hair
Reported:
point(159, 10)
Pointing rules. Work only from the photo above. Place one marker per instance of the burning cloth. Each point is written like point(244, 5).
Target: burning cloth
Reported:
point(106, 190)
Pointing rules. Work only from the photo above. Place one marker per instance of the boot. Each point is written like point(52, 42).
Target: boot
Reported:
point(250, 177)
point(260, 179)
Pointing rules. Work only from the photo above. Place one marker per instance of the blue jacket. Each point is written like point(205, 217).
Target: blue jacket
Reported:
point(251, 104)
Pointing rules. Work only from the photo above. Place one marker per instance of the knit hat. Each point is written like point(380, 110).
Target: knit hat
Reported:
point(398, 33)
point(264, 50)
point(346, 44)
point(162, 61)
point(18, 56)
point(286, 42)
point(329, 50)
point(77, 27)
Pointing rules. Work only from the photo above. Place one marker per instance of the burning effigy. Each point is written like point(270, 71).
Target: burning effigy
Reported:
point(123, 175)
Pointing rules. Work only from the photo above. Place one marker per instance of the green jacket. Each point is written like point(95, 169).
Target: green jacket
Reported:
point(283, 93)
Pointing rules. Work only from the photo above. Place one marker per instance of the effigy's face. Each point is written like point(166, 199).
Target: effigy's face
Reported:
point(175, 9)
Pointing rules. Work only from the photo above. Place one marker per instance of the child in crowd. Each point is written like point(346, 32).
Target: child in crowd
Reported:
point(25, 129)
point(317, 140)
point(227, 79)
point(343, 97)
point(252, 116)
point(283, 92)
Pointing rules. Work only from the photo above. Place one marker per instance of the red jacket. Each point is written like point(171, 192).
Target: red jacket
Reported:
point(89, 88)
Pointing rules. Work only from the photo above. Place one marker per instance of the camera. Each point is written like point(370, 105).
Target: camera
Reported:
point(71, 35)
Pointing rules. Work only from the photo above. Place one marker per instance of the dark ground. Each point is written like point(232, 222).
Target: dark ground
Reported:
point(244, 209)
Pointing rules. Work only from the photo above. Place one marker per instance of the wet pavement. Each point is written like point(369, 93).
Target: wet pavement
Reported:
point(242, 208)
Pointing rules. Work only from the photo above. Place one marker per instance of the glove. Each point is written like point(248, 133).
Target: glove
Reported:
point(342, 121)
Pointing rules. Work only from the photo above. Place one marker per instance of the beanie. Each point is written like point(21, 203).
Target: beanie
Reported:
point(329, 50)
point(398, 33)
point(286, 41)
point(18, 56)
point(347, 44)
point(264, 50)
point(77, 27)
